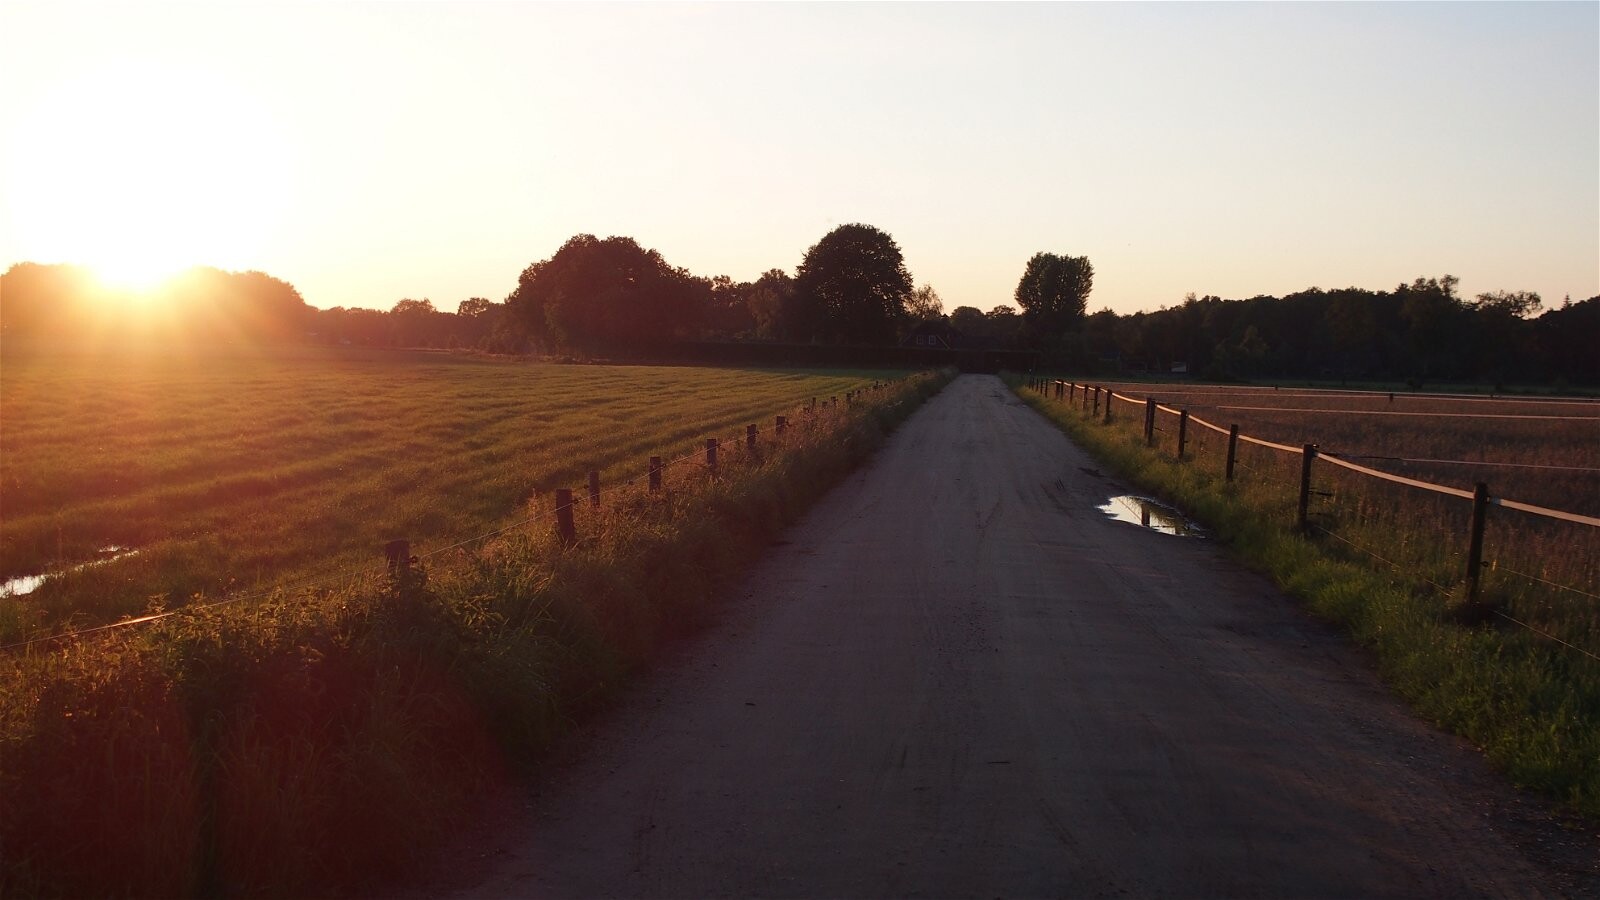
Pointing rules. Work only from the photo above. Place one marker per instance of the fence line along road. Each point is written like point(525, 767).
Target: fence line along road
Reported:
point(398, 555)
point(1480, 498)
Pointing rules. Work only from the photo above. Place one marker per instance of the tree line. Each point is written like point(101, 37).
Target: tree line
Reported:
point(594, 297)
point(1419, 333)
point(69, 303)
point(612, 298)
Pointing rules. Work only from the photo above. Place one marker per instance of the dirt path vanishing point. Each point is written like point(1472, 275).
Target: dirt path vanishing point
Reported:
point(957, 677)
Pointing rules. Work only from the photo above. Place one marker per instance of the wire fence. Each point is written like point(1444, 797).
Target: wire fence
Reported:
point(719, 458)
point(1528, 565)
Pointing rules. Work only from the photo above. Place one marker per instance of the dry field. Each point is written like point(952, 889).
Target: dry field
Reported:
point(1542, 452)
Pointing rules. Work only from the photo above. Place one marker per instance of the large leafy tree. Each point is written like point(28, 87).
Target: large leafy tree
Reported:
point(924, 304)
point(1053, 293)
point(1438, 326)
point(1567, 338)
point(200, 304)
point(607, 296)
point(852, 287)
point(772, 305)
point(46, 299)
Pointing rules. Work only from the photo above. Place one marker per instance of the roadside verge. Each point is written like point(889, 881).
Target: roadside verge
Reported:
point(310, 743)
point(1527, 702)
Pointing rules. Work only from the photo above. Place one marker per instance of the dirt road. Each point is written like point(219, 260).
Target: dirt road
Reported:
point(957, 677)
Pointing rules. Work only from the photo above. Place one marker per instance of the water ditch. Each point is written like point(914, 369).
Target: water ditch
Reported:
point(27, 584)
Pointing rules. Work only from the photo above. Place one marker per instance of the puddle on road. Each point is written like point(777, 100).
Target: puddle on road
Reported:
point(1151, 514)
point(27, 584)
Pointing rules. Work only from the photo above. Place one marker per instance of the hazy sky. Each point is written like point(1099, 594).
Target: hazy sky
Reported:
point(368, 152)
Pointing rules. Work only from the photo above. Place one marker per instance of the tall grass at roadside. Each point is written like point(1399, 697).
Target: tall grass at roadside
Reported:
point(1527, 701)
point(317, 742)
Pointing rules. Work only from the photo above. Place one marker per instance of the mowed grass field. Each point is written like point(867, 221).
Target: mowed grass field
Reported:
point(228, 472)
point(319, 737)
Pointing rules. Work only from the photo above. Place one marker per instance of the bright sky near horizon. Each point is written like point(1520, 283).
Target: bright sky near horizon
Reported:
point(369, 152)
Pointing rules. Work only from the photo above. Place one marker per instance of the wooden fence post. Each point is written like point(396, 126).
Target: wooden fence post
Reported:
point(1233, 451)
point(1110, 396)
point(1096, 400)
point(1183, 432)
point(711, 456)
point(399, 556)
point(750, 437)
point(564, 527)
point(1150, 422)
point(594, 489)
point(779, 424)
point(1480, 510)
point(1308, 454)
point(655, 474)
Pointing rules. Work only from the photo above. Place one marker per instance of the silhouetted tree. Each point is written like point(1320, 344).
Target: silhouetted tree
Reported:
point(1505, 341)
point(474, 307)
point(607, 296)
point(1054, 292)
point(1567, 339)
point(206, 303)
point(727, 313)
point(473, 321)
point(924, 304)
point(967, 321)
point(415, 323)
point(39, 299)
point(772, 307)
point(853, 286)
point(1438, 327)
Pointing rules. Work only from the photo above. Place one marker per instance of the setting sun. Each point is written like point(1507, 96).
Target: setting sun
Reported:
point(138, 172)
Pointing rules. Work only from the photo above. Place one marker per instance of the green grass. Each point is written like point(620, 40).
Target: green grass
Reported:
point(320, 740)
point(1528, 702)
point(235, 472)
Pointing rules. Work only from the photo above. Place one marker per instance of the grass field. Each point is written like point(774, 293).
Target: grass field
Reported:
point(320, 738)
point(226, 473)
point(1517, 668)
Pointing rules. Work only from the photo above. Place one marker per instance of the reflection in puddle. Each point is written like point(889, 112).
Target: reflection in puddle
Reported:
point(1152, 515)
point(27, 584)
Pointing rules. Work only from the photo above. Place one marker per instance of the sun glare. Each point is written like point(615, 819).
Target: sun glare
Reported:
point(139, 173)
point(135, 274)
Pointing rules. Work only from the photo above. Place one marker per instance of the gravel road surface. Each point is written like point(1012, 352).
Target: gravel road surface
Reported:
point(958, 677)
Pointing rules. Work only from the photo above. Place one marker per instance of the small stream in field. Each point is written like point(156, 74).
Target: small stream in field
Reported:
point(27, 584)
point(1151, 514)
